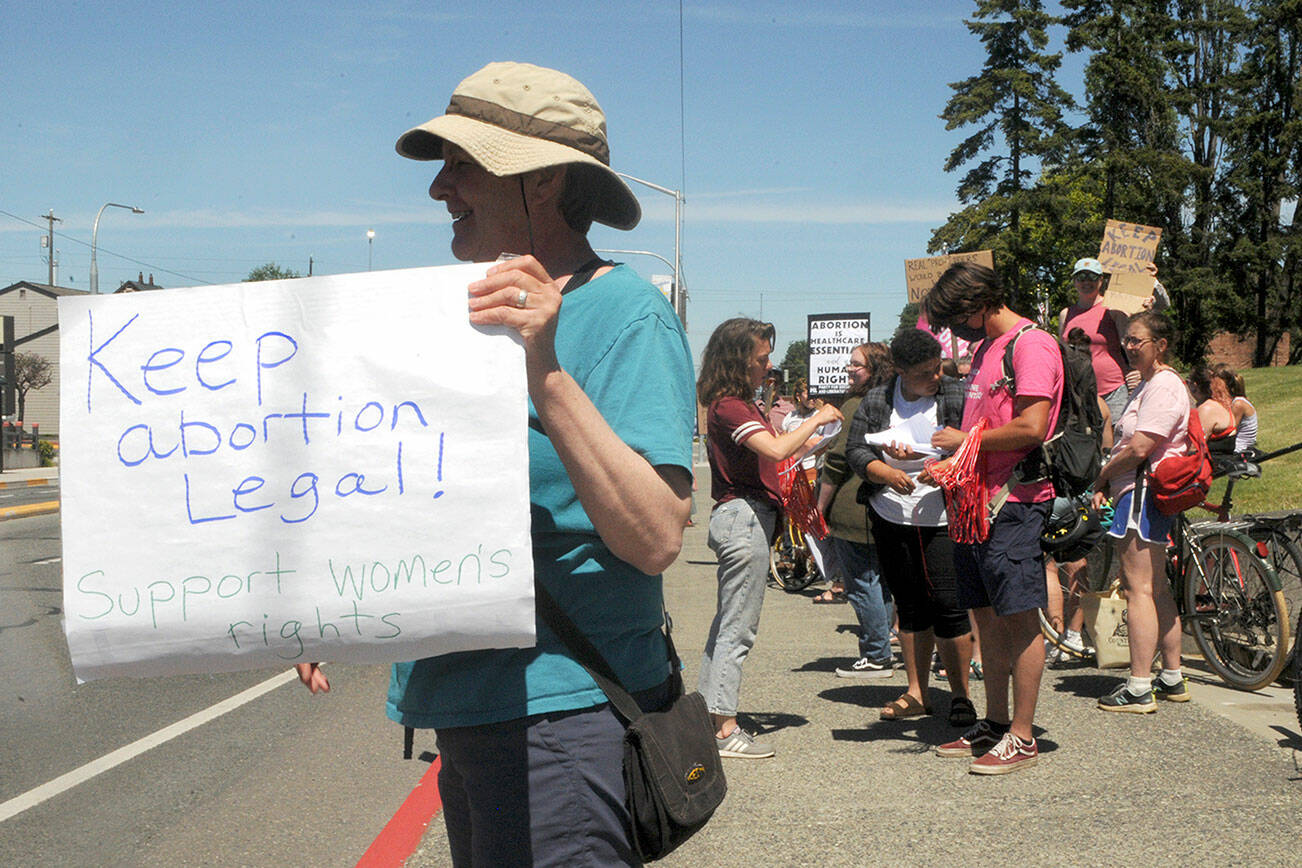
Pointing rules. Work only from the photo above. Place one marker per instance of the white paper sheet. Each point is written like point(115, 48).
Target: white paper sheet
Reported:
point(913, 433)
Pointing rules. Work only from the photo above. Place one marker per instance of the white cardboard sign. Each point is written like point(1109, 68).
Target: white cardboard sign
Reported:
point(262, 474)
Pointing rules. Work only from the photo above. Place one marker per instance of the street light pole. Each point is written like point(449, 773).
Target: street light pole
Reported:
point(679, 300)
point(370, 237)
point(94, 240)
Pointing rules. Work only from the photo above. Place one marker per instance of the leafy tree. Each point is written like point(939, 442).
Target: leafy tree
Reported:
point(1132, 135)
point(909, 316)
point(1202, 54)
point(271, 271)
point(1263, 156)
point(31, 371)
point(1017, 108)
point(796, 361)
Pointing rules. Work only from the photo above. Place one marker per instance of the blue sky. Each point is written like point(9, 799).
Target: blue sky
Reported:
point(807, 141)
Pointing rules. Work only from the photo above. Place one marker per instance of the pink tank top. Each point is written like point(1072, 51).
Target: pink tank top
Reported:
point(1105, 345)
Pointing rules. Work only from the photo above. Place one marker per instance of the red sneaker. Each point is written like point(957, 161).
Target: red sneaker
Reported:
point(1008, 756)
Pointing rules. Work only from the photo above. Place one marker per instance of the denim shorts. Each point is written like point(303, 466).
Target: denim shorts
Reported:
point(1006, 572)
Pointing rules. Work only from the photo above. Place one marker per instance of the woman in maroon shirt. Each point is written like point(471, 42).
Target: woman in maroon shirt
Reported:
point(744, 452)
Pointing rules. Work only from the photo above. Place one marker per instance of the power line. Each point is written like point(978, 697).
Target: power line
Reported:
point(100, 249)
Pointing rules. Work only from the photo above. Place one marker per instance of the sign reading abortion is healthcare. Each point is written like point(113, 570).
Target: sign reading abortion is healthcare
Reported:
point(262, 474)
point(832, 337)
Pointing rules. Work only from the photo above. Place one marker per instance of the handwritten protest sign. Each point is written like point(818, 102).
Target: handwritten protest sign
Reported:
point(262, 474)
point(1128, 291)
point(832, 337)
point(920, 274)
point(1128, 247)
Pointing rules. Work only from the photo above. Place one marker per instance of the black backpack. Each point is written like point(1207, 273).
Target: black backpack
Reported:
point(1072, 457)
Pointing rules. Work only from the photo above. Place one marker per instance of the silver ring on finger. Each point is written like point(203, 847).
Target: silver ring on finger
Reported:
point(521, 300)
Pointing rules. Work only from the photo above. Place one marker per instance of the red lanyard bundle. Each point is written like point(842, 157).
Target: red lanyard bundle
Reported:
point(798, 500)
point(962, 480)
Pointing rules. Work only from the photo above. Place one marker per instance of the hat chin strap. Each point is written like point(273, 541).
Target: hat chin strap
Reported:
point(528, 219)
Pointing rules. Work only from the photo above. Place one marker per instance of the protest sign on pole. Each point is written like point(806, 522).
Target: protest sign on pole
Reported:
point(920, 274)
point(262, 474)
point(832, 337)
point(1126, 253)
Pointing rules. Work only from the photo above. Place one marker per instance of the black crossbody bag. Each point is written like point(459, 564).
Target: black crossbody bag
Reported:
point(673, 777)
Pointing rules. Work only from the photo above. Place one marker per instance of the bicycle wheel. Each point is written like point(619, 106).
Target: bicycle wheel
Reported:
point(1297, 682)
point(1277, 547)
point(1101, 569)
point(1235, 609)
point(789, 563)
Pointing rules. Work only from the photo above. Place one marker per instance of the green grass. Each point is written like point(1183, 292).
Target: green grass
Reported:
point(1277, 395)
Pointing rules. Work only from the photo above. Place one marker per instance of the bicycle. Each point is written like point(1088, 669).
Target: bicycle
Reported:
point(791, 565)
point(1227, 594)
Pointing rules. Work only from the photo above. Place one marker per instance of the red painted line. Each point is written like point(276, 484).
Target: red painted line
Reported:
point(401, 835)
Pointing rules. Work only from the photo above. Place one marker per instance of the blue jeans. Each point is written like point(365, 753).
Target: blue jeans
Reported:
point(868, 595)
point(740, 532)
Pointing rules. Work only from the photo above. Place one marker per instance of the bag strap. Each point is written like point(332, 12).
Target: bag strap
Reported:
point(587, 655)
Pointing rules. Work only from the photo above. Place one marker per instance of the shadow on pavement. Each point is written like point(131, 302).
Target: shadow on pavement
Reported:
point(765, 722)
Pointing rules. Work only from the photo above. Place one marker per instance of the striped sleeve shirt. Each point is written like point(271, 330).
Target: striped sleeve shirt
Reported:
point(736, 471)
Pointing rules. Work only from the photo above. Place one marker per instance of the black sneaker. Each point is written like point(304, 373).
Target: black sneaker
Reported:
point(973, 743)
point(1122, 699)
point(1171, 693)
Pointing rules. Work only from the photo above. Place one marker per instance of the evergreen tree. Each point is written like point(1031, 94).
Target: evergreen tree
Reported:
point(1202, 51)
point(1258, 250)
point(1017, 108)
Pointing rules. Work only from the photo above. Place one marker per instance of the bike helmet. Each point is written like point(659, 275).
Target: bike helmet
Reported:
point(1073, 529)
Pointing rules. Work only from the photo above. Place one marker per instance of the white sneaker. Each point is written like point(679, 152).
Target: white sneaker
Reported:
point(865, 668)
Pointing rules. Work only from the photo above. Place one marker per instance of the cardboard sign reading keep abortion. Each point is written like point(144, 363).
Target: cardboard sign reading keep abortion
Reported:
point(262, 474)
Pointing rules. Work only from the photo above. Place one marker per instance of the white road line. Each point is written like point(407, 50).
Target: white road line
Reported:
point(64, 782)
point(46, 561)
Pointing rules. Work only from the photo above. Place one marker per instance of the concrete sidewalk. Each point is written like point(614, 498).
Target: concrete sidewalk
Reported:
point(1187, 785)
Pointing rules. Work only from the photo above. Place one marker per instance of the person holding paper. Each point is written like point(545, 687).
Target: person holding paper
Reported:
point(531, 752)
point(1104, 326)
point(744, 453)
point(855, 555)
point(909, 522)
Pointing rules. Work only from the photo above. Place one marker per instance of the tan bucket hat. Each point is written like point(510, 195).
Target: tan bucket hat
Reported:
point(516, 117)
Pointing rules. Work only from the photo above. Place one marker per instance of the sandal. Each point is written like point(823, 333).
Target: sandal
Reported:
point(905, 706)
point(962, 713)
point(829, 597)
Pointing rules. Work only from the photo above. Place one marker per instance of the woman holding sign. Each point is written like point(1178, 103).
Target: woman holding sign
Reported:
point(531, 752)
point(1104, 326)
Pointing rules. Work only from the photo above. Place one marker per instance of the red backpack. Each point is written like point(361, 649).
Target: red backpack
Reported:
point(1181, 482)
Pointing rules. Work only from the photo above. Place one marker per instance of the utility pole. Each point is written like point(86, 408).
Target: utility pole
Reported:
point(50, 241)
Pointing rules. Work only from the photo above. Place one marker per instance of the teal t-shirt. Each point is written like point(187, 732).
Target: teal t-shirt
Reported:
point(622, 343)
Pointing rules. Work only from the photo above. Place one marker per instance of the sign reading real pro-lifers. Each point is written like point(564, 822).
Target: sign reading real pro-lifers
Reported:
point(832, 337)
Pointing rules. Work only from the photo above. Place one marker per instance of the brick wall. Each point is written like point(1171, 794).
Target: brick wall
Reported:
point(1237, 352)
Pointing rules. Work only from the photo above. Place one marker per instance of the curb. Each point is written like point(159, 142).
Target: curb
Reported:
point(29, 483)
point(29, 509)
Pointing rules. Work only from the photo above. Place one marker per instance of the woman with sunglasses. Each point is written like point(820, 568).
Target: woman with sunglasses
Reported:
point(1154, 425)
point(1104, 326)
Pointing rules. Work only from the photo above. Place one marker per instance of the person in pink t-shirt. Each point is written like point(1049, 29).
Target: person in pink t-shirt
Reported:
point(1105, 326)
point(1154, 426)
point(1002, 579)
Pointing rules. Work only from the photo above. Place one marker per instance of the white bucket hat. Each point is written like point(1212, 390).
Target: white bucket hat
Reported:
point(513, 118)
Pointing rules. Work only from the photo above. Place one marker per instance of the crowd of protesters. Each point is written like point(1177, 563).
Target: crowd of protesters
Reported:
point(531, 752)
